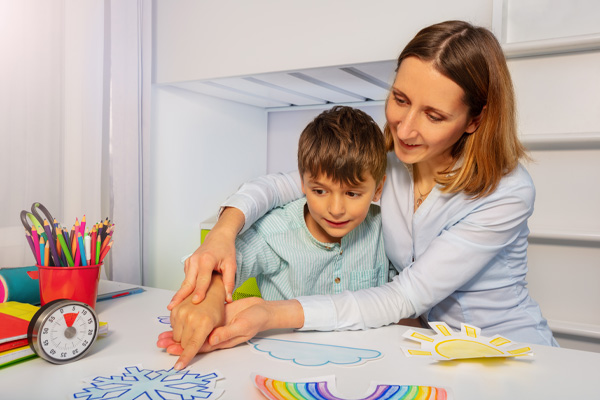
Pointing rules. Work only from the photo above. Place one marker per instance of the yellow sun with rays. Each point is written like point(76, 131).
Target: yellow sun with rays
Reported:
point(468, 343)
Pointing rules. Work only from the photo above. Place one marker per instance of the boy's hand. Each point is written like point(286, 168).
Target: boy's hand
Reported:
point(192, 323)
point(217, 253)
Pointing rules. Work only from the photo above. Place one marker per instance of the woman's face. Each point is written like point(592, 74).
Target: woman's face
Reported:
point(426, 114)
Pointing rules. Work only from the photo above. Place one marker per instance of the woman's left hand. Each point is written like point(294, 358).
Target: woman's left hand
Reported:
point(246, 317)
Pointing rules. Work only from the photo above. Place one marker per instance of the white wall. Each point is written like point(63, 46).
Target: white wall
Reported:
point(286, 125)
point(558, 95)
point(51, 84)
point(561, 95)
point(201, 150)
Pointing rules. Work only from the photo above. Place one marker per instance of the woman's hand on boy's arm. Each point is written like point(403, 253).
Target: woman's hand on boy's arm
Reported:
point(247, 317)
point(192, 323)
point(217, 253)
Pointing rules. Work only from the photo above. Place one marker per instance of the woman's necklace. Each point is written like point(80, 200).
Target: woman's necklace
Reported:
point(421, 197)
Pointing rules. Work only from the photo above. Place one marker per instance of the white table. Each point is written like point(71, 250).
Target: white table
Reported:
point(133, 329)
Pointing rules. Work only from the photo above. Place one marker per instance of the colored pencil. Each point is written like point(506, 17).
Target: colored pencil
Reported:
point(105, 252)
point(87, 240)
point(93, 246)
point(101, 231)
point(81, 249)
point(74, 246)
point(61, 238)
point(98, 243)
point(59, 250)
point(82, 227)
point(76, 254)
point(65, 235)
point(51, 243)
point(42, 251)
point(105, 243)
point(46, 254)
point(36, 243)
point(72, 237)
point(30, 241)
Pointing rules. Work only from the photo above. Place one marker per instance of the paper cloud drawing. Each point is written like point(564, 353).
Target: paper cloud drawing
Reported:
point(313, 354)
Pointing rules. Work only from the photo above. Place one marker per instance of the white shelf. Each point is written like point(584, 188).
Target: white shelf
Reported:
point(565, 236)
point(561, 140)
point(544, 47)
point(591, 331)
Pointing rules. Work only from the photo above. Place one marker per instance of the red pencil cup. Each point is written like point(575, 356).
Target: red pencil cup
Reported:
point(73, 283)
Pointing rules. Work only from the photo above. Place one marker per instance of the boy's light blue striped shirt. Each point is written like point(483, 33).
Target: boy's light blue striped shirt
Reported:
point(288, 261)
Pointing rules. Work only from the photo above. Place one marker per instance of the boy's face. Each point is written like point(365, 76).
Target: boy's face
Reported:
point(334, 209)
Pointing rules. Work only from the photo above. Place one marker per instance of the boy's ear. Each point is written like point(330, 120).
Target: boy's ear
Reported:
point(379, 189)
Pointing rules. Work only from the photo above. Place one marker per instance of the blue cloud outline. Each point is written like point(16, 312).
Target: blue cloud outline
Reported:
point(318, 354)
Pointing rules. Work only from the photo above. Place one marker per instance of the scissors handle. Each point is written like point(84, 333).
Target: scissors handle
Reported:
point(34, 207)
point(34, 221)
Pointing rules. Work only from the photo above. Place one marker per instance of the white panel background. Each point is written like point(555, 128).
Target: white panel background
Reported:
point(202, 149)
point(559, 95)
point(209, 39)
point(285, 127)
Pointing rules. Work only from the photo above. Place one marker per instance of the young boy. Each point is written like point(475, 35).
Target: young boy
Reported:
point(331, 240)
point(325, 243)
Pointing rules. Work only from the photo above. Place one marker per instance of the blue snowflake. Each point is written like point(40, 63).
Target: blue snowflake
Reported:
point(147, 384)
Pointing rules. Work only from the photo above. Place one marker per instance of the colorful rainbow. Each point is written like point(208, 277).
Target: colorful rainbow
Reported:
point(278, 390)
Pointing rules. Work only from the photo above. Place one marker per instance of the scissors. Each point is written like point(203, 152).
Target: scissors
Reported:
point(35, 218)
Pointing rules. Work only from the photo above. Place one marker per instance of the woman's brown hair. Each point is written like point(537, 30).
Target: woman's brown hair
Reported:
point(472, 58)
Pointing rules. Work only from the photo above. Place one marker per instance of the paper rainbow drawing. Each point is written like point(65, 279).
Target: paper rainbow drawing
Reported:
point(322, 388)
point(468, 343)
point(312, 354)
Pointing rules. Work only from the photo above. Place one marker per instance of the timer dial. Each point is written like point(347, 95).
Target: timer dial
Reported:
point(63, 330)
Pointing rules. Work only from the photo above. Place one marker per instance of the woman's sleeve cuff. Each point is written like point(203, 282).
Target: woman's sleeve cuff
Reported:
point(319, 313)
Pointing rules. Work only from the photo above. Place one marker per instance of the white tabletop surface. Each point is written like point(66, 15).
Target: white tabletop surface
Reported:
point(134, 326)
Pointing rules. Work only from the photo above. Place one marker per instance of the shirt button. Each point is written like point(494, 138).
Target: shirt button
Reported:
point(341, 251)
point(337, 280)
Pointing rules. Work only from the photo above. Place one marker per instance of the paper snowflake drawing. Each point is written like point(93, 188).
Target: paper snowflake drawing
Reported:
point(468, 343)
point(146, 384)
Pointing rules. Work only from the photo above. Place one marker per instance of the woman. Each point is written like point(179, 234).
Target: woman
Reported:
point(455, 206)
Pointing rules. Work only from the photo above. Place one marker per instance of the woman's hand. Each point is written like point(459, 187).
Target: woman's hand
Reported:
point(246, 317)
point(217, 253)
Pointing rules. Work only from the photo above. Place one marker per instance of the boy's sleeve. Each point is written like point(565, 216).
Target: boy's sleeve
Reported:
point(254, 256)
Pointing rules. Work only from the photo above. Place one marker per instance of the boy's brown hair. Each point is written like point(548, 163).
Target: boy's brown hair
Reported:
point(342, 143)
